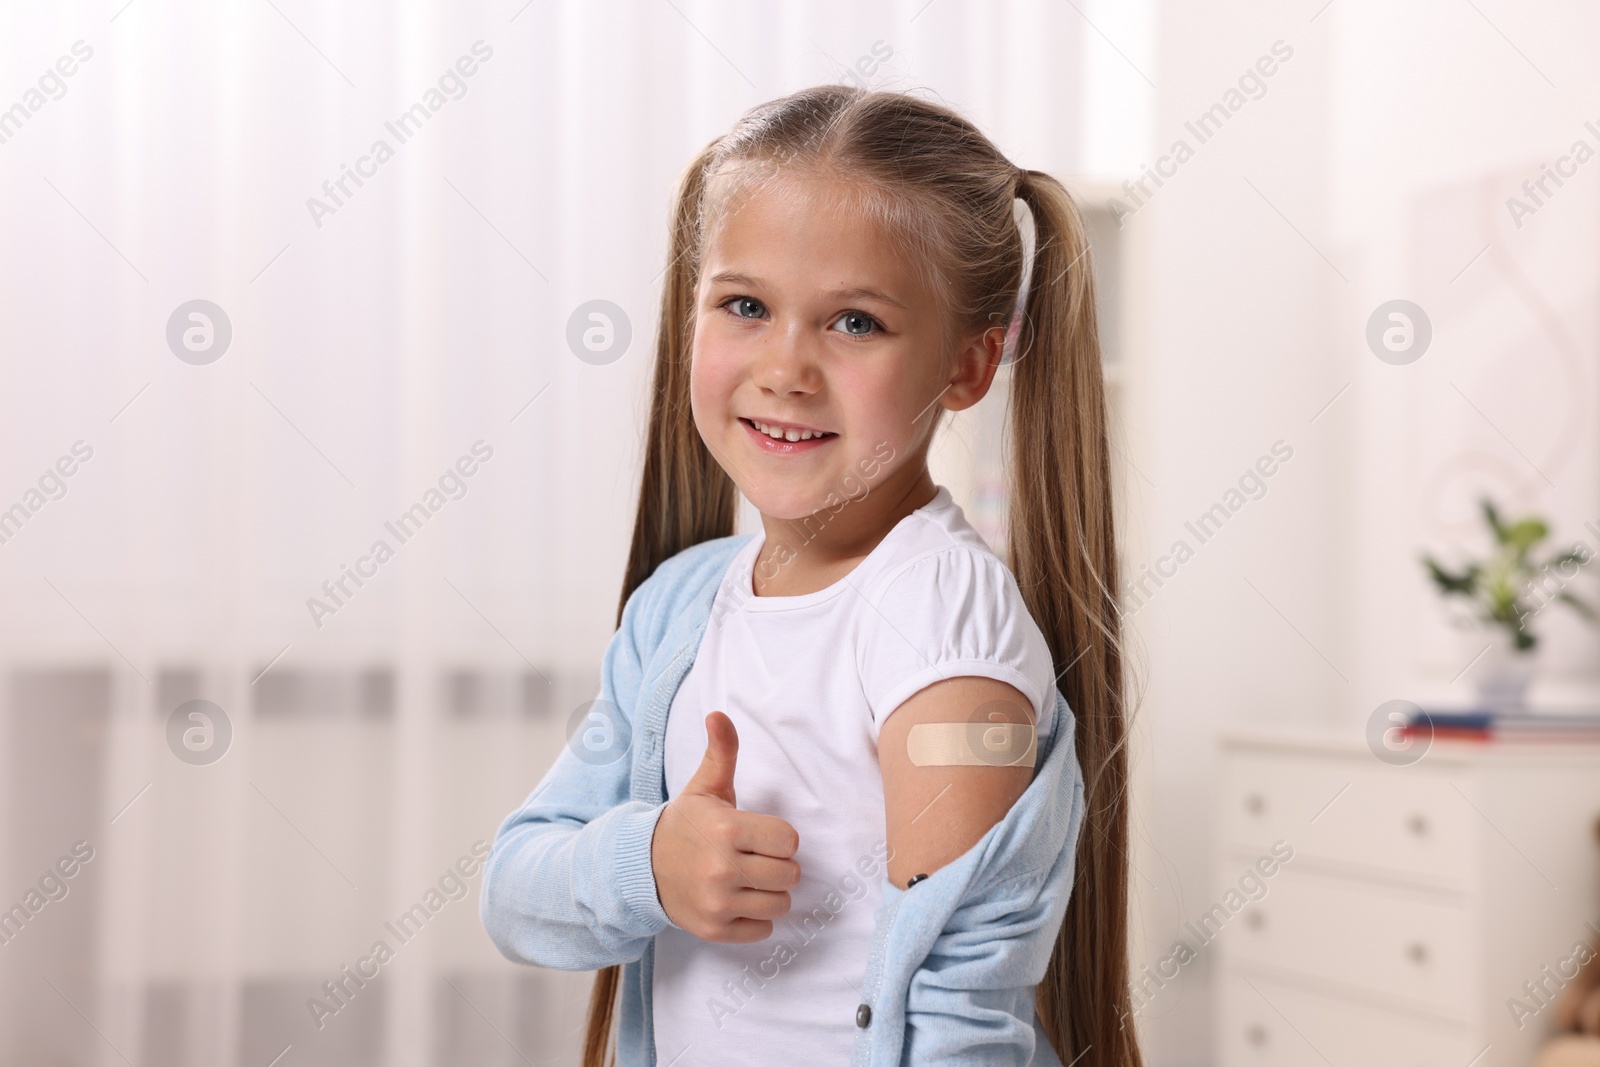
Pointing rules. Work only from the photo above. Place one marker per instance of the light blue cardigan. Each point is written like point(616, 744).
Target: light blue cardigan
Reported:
point(954, 961)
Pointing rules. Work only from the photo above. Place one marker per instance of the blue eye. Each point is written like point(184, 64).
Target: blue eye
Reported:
point(737, 301)
point(855, 319)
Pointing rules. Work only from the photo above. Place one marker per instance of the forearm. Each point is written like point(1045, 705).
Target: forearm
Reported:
point(568, 883)
point(573, 895)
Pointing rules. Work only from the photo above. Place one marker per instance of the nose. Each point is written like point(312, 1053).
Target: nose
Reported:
point(787, 361)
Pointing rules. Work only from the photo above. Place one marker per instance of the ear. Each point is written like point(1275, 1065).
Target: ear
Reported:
point(977, 359)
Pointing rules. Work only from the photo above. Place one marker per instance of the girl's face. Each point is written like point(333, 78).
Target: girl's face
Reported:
point(808, 319)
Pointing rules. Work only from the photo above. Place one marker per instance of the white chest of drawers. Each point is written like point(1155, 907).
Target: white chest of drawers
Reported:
point(1418, 901)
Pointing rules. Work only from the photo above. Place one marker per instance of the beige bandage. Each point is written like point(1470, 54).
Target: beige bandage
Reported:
point(972, 744)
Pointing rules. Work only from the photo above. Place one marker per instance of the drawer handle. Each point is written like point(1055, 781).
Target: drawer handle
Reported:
point(1418, 952)
point(1256, 1035)
point(1417, 825)
point(1255, 804)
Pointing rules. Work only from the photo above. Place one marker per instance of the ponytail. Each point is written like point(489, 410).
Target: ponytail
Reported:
point(685, 497)
point(1063, 553)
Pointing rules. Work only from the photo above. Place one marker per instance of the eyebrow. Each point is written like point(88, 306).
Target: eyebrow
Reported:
point(740, 278)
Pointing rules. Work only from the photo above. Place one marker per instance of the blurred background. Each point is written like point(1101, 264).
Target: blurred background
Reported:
point(1347, 262)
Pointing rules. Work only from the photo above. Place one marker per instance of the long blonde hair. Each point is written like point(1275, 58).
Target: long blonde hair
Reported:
point(945, 191)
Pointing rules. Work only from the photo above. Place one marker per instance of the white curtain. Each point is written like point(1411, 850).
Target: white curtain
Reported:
point(388, 331)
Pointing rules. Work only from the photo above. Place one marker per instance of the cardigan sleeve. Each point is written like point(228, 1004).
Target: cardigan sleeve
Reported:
point(960, 955)
point(972, 999)
point(568, 883)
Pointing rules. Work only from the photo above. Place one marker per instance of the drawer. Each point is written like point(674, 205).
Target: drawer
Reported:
point(1408, 822)
point(1266, 1024)
point(1397, 944)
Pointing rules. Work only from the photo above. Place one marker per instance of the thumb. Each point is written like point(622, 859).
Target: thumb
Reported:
point(714, 777)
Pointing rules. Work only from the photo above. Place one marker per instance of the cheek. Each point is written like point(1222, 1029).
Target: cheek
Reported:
point(717, 365)
point(713, 370)
point(886, 402)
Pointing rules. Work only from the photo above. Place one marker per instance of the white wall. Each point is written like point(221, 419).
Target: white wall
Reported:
point(1375, 166)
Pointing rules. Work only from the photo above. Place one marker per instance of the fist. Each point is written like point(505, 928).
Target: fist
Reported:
point(722, 874)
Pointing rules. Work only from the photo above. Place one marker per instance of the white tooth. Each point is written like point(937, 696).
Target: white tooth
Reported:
point(786, 435)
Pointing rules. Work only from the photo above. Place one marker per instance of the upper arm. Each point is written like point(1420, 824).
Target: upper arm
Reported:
point(934, 814)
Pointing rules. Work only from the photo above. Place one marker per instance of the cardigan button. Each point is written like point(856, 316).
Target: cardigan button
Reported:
point(863, 1016)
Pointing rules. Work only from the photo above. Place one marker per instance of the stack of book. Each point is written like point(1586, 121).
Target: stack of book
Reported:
point(1549, 728)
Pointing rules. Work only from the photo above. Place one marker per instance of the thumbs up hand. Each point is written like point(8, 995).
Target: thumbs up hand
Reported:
point(722, 874)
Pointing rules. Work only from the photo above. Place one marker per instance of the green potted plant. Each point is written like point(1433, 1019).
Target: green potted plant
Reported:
point(1503, 593)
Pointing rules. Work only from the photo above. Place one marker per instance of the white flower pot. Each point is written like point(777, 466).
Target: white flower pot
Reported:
point(1503, 674)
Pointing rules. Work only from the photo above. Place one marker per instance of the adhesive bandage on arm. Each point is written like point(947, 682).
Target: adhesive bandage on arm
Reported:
point(972, 744)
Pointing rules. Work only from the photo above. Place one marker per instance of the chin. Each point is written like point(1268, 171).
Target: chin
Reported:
point(787, 502)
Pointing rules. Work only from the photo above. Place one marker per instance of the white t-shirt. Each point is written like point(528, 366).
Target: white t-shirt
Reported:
point(808, 681)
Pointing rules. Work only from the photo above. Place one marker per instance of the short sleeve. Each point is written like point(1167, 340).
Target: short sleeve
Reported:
point(953, 613)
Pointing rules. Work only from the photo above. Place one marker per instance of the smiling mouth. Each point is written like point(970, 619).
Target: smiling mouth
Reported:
point(778, 435)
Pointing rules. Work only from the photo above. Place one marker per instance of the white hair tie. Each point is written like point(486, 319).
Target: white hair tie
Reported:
point(1022, 214)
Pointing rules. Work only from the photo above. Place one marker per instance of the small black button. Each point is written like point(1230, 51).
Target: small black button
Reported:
point(915, 878)
point(863, 1016)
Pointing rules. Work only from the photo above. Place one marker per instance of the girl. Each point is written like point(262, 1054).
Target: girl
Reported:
point(763, 862)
